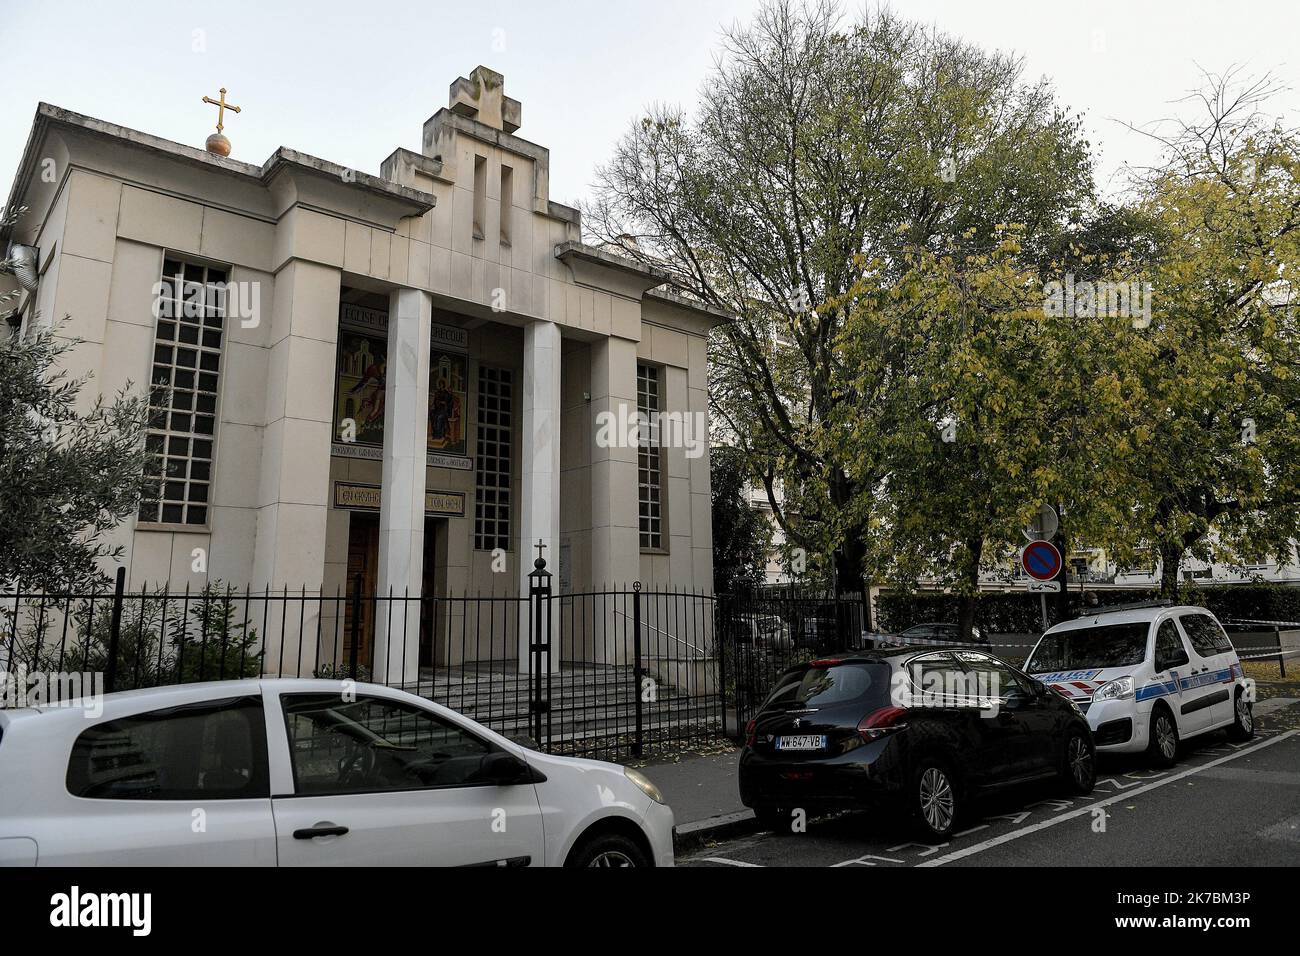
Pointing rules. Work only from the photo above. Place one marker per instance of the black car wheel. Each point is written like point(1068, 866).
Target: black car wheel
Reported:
point(1162, 750)
point(1079, 770)
point(934, 800)
point(1243, 722)
point(608, 849)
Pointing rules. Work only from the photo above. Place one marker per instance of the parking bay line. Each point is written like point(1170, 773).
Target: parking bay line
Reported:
point(726, 862)
point(1125, 795)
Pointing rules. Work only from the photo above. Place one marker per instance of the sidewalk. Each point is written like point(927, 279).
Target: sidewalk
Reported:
point(704, 794)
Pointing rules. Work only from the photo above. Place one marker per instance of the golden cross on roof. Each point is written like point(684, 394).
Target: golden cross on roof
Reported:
point(221, 106)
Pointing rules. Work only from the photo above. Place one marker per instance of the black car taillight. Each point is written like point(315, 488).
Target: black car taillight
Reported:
point(882, 722)
point(749, 732)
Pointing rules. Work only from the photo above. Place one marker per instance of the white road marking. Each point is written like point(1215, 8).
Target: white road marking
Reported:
point(1117, 785)
point(1288, 830)
point(867, 860)
point(1016, 818)
point(926, 849)
point(1126, 795)
point(725, 862)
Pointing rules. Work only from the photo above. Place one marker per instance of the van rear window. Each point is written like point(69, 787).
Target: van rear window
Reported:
point(1110, 645)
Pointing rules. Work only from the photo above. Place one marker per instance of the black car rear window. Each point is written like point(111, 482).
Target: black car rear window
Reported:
point(825, 685)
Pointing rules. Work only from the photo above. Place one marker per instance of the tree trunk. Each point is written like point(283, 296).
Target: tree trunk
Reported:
point(849, 580)
point(1171, 556)
point(969, 595)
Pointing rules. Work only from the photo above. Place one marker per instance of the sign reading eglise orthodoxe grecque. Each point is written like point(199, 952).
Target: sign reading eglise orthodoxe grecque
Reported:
point(351, 496)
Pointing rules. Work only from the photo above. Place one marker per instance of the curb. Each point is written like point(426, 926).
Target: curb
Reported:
point(691, 836)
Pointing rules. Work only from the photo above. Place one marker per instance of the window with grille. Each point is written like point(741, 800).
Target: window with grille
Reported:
point(183, 401)
point(649, 477)
point(492, 459)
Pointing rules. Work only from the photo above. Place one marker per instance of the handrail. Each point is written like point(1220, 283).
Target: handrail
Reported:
point(698, 650)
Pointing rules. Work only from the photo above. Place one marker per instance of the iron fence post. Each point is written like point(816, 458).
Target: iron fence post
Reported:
point(356, 626)
point(720, 630)
point(114, 632)
point(638, 740)
point(539, 640)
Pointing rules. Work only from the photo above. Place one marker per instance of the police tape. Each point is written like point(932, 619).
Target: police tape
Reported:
point(1269, 655)
point(1284, 625)
point(936, 642)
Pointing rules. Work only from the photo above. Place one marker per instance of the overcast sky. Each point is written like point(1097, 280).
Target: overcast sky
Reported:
point(350, 82)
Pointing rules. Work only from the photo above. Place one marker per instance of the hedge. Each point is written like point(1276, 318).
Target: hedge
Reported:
point(1020, 612)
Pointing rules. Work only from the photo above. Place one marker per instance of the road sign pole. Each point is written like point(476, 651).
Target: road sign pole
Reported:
point(1042, 597)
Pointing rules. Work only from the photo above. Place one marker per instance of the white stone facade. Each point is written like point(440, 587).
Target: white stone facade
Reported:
point(461, 236)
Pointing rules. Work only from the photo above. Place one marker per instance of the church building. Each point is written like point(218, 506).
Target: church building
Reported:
point(412, 379)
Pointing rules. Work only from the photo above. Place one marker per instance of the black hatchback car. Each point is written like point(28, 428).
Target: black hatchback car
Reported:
point(909, 729)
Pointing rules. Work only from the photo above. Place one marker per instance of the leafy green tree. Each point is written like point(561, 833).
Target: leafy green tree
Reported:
point(824, 148)
point(1010, 406)
point(1217, 427)
point(742, 534)
point(68, 474)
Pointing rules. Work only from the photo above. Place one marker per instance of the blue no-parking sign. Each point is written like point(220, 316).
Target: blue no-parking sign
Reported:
point(1041, 560)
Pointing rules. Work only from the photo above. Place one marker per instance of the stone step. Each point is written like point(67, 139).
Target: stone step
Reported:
point(571, 728)
point(586, 691)
point(624, 706)
point(520, 705)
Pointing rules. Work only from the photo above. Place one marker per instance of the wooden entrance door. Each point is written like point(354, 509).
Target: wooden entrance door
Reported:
point(363, 562)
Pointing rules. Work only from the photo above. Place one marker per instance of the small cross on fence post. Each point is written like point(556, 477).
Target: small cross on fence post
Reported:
point(539, 649)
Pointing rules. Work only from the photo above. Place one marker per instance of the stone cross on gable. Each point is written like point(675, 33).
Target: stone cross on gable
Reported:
point(483, 97)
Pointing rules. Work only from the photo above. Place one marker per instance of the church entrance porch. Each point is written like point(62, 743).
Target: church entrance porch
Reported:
point(636, 667)
point(363, 561)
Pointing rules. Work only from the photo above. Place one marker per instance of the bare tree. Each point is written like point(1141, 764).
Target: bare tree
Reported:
point(821, 150)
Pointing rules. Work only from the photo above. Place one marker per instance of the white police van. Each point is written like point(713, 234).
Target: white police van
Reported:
point(1147, 676)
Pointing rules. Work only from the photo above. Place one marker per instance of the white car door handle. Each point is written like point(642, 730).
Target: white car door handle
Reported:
point(319, 830)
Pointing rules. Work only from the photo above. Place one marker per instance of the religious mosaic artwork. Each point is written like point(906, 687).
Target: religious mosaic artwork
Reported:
point(359, 390)
point(448, 384)
point(359, 395)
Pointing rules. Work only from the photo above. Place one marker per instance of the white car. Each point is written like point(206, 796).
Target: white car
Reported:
point(1147, 676)
point(306, 773)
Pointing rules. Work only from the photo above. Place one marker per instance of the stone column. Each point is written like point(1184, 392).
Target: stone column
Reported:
point(293, 484)
point(615, 532)
point(401, 513)
point(540, 477)
point(615, 541)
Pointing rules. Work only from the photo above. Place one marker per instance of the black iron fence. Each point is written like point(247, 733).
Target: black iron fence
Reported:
point(760, 635)
point(610, 673)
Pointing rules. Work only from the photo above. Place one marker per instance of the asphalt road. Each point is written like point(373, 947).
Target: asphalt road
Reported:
point(1223, 804)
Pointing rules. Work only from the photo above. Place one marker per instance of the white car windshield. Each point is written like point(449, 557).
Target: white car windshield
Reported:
point(1110, 645)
